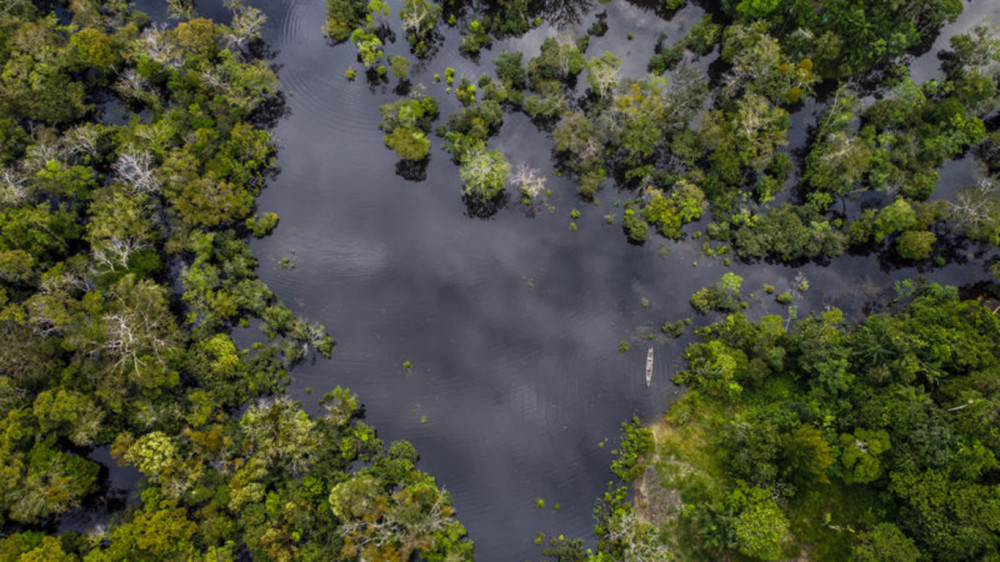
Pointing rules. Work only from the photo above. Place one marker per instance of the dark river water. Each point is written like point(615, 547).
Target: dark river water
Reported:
point(512, 324)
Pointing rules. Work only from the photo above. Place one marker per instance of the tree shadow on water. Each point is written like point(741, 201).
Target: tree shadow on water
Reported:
point(403, 88)
point(272, 109)
point(476, 207)
point(375, 80)
point(413, 171)
point(562, 13)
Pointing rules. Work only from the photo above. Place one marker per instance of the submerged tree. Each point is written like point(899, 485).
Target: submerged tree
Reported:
point(484, 174)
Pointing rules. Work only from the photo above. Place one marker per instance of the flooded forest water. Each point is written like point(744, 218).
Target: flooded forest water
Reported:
point(512, 325)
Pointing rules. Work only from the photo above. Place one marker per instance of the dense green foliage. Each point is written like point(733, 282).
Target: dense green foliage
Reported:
point(343, 17)
point(877, 442)
point(848, 38)
point(484, 174)
point(366, 24)
point(888, 429)
point(124, 269)
point(674, 155)
point(722, 296)
point(406, 124)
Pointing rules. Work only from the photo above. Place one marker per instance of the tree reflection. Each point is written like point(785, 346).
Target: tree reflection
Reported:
point(661, 8)
point(413, 171)
point(562, 13)
point(477, 207)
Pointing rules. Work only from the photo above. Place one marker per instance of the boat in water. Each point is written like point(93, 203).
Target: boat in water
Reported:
point(649, 367)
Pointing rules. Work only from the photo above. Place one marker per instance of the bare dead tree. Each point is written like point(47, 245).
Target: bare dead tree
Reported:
point(39, 154)
point(418, 16)
point(113, 254)
point(131, 85)
point(13, 187)
point(245, 27)
point(138, 171)
point(10, 5)
point(972, 206)
point(528, 181)
point(155, 43)
point(391, 527)
point(638, 539)
point(181, 9)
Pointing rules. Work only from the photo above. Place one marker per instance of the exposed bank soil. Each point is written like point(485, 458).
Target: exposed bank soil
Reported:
point(656, 495)
point(653, 502)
